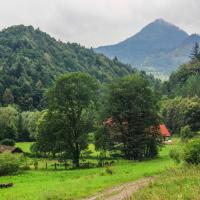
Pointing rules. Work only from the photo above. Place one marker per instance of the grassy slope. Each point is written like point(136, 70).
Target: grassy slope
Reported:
point(25, 146)
point(73, 184)
point(182, 184)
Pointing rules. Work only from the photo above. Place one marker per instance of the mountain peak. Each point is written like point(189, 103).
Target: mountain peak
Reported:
point(161, 20)
point(161, 23)
point(160, 34)
point(150, 48)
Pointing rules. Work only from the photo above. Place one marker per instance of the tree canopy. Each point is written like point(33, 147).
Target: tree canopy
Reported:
point(30, 61)
point(133, 109)
point(65, 125)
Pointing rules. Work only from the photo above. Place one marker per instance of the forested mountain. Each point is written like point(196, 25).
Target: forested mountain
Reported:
point(185, 81)
point(160, 47)
point(30, 60)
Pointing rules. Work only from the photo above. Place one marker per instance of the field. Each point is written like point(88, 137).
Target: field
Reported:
point(183, 184)
point(75, 184)
point(25, 146)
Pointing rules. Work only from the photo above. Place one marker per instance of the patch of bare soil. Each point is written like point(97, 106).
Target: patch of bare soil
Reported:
point(123, 191)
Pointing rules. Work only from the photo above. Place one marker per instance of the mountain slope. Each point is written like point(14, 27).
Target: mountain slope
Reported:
point(158, 47)
point(30, 60)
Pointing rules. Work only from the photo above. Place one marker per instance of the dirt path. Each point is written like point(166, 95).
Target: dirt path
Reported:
point(123, 191)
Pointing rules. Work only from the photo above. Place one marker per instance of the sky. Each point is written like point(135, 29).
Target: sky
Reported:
point(94, 23)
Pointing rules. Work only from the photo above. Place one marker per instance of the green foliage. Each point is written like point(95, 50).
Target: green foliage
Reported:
point(30, 61)
point(103, 141)
point(185, 82)
point(186, 133)
point(9, 163)
point(195, 52)
point(18, 126)
point(65, 126)
point(7, 142)
point(34, 148)
point(192, 152)
point(8, 122)
point(8, 97)
point(133, 109)
point(27, 125)
point(109, 170)
point(175, 155)
point(180, 112)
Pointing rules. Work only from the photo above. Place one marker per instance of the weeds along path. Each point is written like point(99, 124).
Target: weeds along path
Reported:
point(123, 191)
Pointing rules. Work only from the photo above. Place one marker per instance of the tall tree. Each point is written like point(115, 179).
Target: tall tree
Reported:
point(8, 122)
point(69, 101)
point(195, 55)
point(8, 97)
point(134, 116)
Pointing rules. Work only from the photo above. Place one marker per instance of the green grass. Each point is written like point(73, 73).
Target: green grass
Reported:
point(181, 184)
point(75, 184)
point(25, 146)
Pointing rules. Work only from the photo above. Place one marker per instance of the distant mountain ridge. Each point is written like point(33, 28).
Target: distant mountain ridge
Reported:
point(160, 47)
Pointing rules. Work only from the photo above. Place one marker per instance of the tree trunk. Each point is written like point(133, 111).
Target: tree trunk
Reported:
point(76, 157)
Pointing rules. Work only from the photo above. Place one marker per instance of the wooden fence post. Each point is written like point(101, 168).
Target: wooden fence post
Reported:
point(65, 165)
point(55, 166)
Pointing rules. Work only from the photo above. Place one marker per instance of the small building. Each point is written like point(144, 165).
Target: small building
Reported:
point(164, 131)
point(108, 122)
point(9, 149)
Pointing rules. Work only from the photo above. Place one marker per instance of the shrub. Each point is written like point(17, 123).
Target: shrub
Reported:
point(186, 133)
point(192, 152)
point(108, 170)
point(34, 148)
point(175, 155)
point(8, 142)
point(9, 163)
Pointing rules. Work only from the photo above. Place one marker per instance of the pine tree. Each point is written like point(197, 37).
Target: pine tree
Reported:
point(195, 55)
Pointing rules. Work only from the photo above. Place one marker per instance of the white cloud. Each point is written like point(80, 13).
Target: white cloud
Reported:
point(98, 22)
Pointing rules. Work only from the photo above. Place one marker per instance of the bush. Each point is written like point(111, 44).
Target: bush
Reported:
point(8, 142)
point(192, 152)
point(175, 155)
point(186, 133)
point(9, 163)
point(108, 170)
point(34, 148)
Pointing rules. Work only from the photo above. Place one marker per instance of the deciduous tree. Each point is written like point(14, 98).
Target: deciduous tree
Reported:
point(69, 101)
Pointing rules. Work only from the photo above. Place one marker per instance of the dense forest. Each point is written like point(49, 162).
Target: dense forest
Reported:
point(31, 60)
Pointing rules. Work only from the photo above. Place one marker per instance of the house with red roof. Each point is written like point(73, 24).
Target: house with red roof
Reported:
point(164, 131)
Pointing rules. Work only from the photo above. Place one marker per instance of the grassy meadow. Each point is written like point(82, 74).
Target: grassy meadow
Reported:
point(24, 146)
point(75, 184)
point(182, 183)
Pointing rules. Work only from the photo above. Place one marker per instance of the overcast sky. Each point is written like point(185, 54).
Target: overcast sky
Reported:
point(98, 22)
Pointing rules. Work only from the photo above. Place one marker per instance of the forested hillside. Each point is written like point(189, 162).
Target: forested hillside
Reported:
point(30, 60)
point(181, 110)
point(185, 81)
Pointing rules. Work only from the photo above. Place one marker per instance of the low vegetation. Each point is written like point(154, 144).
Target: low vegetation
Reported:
point(68, 184)
point(173, 184)
point(9, 163)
